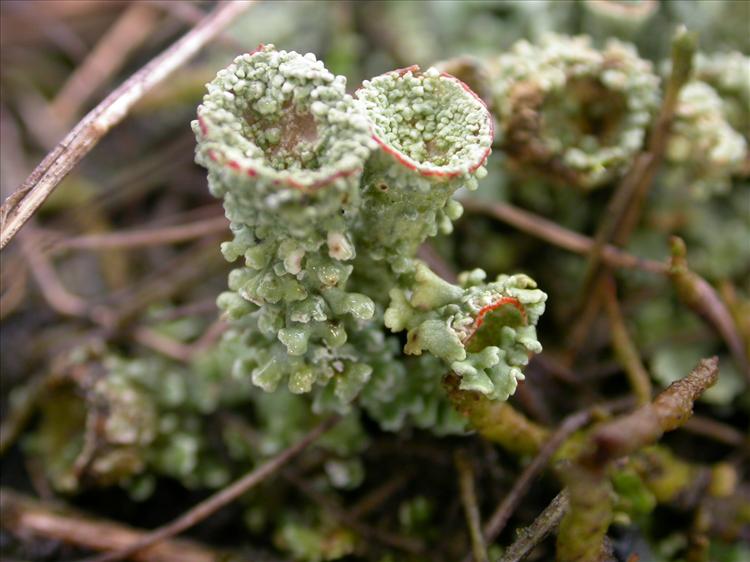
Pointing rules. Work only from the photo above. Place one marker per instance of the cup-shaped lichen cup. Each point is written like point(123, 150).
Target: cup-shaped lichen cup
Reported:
point(95, 428)
point(434, 136)
point(284, 144)
point(285, 147)
point(483, 332)
point(570, 113)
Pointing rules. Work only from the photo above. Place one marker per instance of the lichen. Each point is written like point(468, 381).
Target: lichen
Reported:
point(484, 332)
point(703, 151)
point(329, 220)
point(572, 113)
point(729, 74)
point(434, 136)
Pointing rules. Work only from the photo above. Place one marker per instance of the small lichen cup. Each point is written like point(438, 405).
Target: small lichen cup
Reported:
point(483, 332)
point(434, 136)
point(570, 113)
point(285, 147)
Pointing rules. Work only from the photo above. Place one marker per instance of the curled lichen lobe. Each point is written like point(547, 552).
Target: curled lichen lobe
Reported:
point(283, 117)
point(428, 121)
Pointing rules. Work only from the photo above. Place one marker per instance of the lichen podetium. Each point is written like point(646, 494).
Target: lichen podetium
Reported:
point(329, 199)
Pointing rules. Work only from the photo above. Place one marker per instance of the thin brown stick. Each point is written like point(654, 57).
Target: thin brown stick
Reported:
point(20, 410)
point(702, 298)
point(345, 518)
point(583, 530)
point(25, 516)
point(471, 508)
point(436, 263)
point(535, 533)
point(626, 205)
point(716, 430)
point(684, 46)
point(21, 205)
point(551, 232)
point(191, 13)
point(669, 410)
point(202, 307)
point(496, 523)
point(567, 427)
point(379, 495)
point(138, 238)
point(14, 290)
point(616, 209)
point(220, 499)
point(212, 334)
point(163, 344)
point(68, 304)
point(625, 349)
point(110, 53)
point(53, 291)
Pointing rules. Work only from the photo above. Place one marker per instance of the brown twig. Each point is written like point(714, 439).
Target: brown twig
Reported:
point(511, 501)
point(626, 205)
point(173, 276)
point(535, 533)
point(671, 408)
point(14, 290)
point(53, 291)
point(20, 410)
point(436, 263)
point(471, 508)
point(721, 432)
point(165, 345)
point(192, 14)
point(583, 529)
point(25, 516)
point(212, 334)
point(616, 209)
point(345, 518)
point(379, 495)
point(202, 307)
point(18, 208)
point(220, 499)
point(625, 349)
point(138, 238)
point(553, 233)
point(702, 298)
point(68, 304)
point(684, 46)
point(108, 56)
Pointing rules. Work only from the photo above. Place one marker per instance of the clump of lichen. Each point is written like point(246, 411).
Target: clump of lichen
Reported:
point(483, 332)
point(703, 150)
point(729, 74)
point(285, 147)
point(281, 116)
point(304, 226)
point(330, 308)
point(572, 113)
